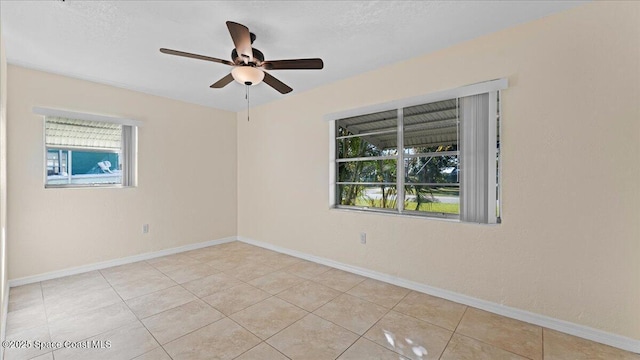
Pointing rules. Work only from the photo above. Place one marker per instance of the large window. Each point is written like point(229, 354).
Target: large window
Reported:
point(438, 159)
point(89, 152)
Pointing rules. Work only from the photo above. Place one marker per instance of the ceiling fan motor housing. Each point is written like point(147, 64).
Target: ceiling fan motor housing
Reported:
point(257, 55)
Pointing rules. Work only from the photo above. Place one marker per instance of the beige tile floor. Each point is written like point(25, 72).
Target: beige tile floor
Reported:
point(237, 301)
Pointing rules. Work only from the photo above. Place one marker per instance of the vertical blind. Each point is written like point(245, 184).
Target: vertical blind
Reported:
point(129, 155)
point(478, 143)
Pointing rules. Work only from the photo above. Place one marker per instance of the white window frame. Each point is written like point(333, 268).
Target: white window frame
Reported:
point(492, 87)
point(129, 178)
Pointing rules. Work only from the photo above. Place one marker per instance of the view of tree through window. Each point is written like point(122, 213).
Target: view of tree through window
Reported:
point(422, 155)
point(368, 162)
point(367, 159)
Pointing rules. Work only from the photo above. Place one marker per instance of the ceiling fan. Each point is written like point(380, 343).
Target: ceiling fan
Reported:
point(248, 62)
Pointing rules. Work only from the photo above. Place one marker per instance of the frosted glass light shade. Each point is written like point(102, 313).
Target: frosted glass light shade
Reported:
point(247, 75)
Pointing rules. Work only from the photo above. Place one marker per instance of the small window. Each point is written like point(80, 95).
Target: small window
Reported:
point(89, 153)
point(436, 159)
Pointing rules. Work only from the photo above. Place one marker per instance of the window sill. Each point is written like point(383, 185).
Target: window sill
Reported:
point(88, 186)
point(409, 215)
point(395, 214)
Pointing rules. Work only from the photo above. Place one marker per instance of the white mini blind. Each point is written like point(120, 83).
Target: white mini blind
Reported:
point(85, 134)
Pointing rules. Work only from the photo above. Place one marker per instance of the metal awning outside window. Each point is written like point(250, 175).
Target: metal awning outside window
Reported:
point(426, 125)
point(82, 134)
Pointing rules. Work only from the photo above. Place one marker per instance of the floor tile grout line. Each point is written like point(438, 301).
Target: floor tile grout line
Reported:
point(492, 345)
point(251, 348)
point(377, 321)
point(453, 333)
point(310, 313)
point(92, 310)
point(86, 311)
point(278, 350)
point(153, 292)
point(226, 288)
point(313, 312)
point(289, 301)
point(415, 318)
point(141, 279)
point(349, 347)
point(461, 317)
point(166, 256)
point(148, 330)
point(171, 308)
point(229, 315)
point(364, 332)
point(289, 287)
point(104, 332)
point(302, 307)
point(251, 332)
point(46, 315)
point(191, 332)
point(206, 303)
point(44, 308)
point(181, 267)
point(137, 296)
point(152, 350)
point(134, 314)
point(272, 335)
point(388, 311)
point(224, 315)
point(371, 302)
point(542, 341)
point(266, 344)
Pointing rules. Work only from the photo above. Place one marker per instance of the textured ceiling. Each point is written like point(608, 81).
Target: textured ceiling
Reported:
point(117, 42)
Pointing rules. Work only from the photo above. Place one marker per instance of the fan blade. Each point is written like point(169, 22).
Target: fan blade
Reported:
point(293, 64)
point(241, 39)
point(195, 56)
point(222, 82)
point(276, 84)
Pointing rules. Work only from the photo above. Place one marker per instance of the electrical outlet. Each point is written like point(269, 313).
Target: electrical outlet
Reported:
point(145, 228)
point(363, 238)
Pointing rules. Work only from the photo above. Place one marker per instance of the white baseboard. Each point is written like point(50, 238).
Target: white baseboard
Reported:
point(115, 262)
point(581, 331)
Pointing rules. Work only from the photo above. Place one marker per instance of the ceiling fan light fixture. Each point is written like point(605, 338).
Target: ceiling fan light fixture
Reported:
point(247, 75)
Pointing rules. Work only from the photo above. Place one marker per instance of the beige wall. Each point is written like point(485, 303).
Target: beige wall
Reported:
point(569, 244)
point(3, 186)
point(186, 178)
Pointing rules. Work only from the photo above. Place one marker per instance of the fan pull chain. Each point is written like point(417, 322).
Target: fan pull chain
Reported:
point(246, 96)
